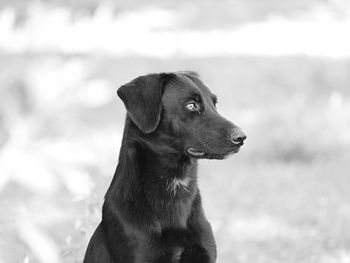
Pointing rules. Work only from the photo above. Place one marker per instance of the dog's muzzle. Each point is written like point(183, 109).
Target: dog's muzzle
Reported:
point(238, 137)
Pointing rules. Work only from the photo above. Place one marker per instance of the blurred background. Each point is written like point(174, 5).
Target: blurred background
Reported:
point(281, 70)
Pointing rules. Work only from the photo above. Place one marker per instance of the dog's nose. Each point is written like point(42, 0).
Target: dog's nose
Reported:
point(238, 137)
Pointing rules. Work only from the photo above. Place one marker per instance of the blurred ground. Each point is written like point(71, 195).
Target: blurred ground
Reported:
point(284, 198)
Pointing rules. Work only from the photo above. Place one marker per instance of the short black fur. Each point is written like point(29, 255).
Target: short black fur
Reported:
point(152, 211)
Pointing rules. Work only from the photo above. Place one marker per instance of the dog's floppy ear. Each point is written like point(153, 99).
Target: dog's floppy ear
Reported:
point(143, 99)
point(190, 73)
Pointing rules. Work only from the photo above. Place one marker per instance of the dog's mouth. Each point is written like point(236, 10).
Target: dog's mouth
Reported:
point(204, 155)
point(195, 153)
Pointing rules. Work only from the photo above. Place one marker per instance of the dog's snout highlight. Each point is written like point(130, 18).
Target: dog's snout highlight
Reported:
point(238, 136)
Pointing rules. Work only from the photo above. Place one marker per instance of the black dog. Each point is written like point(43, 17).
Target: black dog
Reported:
point(152, 210)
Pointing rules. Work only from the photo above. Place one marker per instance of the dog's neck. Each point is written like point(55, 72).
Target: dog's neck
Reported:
point(143, 152)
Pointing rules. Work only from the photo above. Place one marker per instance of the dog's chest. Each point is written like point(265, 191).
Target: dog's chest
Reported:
point(175, 213)
point(175, 208)
point(176, 185)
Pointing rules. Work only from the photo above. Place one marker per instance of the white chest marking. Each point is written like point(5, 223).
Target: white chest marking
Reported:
point(174, 184)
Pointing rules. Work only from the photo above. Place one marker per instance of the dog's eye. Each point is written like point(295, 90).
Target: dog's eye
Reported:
point(192, 106)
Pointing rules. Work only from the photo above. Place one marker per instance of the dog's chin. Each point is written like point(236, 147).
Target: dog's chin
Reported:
point(198, 154)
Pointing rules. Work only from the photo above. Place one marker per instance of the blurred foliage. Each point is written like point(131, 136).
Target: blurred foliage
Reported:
point(62, 125)
point(204, 14)
point(283, 198)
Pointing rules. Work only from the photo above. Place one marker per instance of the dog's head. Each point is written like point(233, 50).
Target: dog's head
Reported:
point(178, 109)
